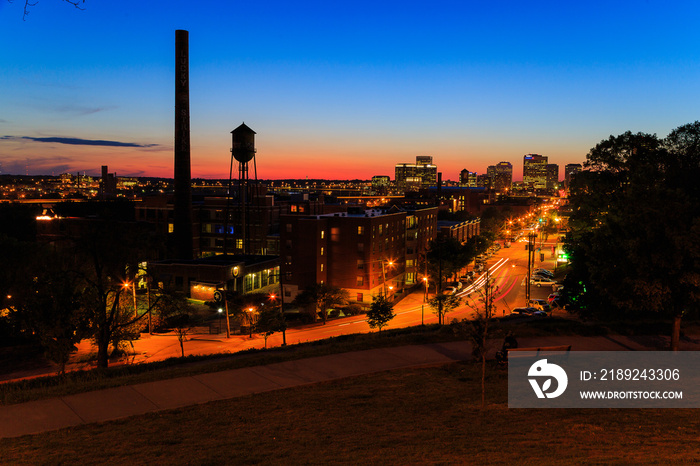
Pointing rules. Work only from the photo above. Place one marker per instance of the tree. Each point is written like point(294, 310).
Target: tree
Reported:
point(442, 304)
point(478, 328)
point(446, 257)
point(270, 320)
point(380, 312)
point(47, 303)
point(27, 5)
point(106, 256)
point(635, 226)
point(322, 297)
point(179, 316)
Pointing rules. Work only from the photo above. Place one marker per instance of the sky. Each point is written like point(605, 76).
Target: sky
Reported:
point(340, 89)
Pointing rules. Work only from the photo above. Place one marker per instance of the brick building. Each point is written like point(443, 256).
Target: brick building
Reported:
point(366, 252)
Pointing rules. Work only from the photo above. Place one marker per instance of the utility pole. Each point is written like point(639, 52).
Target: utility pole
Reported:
point(530, 253)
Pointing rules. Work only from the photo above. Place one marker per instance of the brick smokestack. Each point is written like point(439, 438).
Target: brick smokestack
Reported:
point(182, 221)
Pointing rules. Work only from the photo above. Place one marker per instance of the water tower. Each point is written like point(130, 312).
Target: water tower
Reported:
point(243, 151)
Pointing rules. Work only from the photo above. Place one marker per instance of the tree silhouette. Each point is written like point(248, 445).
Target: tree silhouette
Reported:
point(380, 312)
point(635, 227)
point(28, 5)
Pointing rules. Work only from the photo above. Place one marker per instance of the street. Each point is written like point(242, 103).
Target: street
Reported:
point(507, 269)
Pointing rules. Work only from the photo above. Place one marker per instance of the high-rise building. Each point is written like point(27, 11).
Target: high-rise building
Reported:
point(552, 176)
point(570, 169)
point(503, 177)
point(380, 183)
point(422, 169)
point(535, 171)
point(467, 179)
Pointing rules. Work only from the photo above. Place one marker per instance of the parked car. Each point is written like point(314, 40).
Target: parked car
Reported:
point(449, 290)
point(553, 296)
point(523, 311)
point(456, 285)
point(478, 267)
point(540, 304)
point(543, 271)
point(467, 277)
point(557, 287)
point(539, 281)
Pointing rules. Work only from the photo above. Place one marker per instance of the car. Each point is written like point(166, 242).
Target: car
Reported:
point(557, 287)
point(544, 272)
point(558, 302)
point(478, 267)
point(553, 296)
point(539, 281)
point(540, 314)
point(456, 285)
point(523, 311)
point(540, 304)
point(449, 290)
point(540, 275)
point(469, 276)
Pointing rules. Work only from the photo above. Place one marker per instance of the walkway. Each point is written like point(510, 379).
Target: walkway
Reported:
point(116, 403)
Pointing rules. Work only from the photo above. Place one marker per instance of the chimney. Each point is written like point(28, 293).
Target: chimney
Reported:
point(182, 221)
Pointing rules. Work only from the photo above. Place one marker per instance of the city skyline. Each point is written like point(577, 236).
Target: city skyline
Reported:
point(339, 92)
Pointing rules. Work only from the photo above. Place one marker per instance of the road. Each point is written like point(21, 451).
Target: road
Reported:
point(507, 269)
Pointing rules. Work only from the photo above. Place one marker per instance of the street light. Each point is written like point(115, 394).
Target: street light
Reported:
point(126, 287)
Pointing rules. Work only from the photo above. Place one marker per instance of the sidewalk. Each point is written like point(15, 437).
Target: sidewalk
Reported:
point(116, 403)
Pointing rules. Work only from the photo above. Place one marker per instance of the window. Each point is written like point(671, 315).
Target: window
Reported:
point(360, 230)
point(360, 297)
point(360, 247)
point(321, 267)
point(360, 264)
point(380, 230)
point(239, 243)
point(289, 228)
point(360, 281)
point(409, 263)
point(323, 234)
point(321, 250)
point(293, 208)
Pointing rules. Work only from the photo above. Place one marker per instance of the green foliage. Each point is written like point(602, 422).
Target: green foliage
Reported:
point(44, 299)
point(443, 304)
point(322, 297)
point(270, 320)
point(380, 313)
point(634, 240)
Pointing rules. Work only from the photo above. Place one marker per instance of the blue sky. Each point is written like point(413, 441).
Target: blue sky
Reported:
point(341, 89)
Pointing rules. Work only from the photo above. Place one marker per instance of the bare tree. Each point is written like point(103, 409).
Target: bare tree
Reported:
point(27, 5)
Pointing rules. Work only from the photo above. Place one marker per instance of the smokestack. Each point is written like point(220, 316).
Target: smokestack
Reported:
point(182, 221)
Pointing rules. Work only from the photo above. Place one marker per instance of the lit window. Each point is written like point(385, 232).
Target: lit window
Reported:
point(360, 230)
point(323, 234)
point(360, 281)
point(321, 251)
point(321, 267)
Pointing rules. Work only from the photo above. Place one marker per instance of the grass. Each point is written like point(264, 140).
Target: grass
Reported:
point(415, 416)
point(82, 381)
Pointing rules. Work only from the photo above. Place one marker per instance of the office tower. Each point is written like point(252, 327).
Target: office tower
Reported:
point(503, 177)
point(535, 171)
